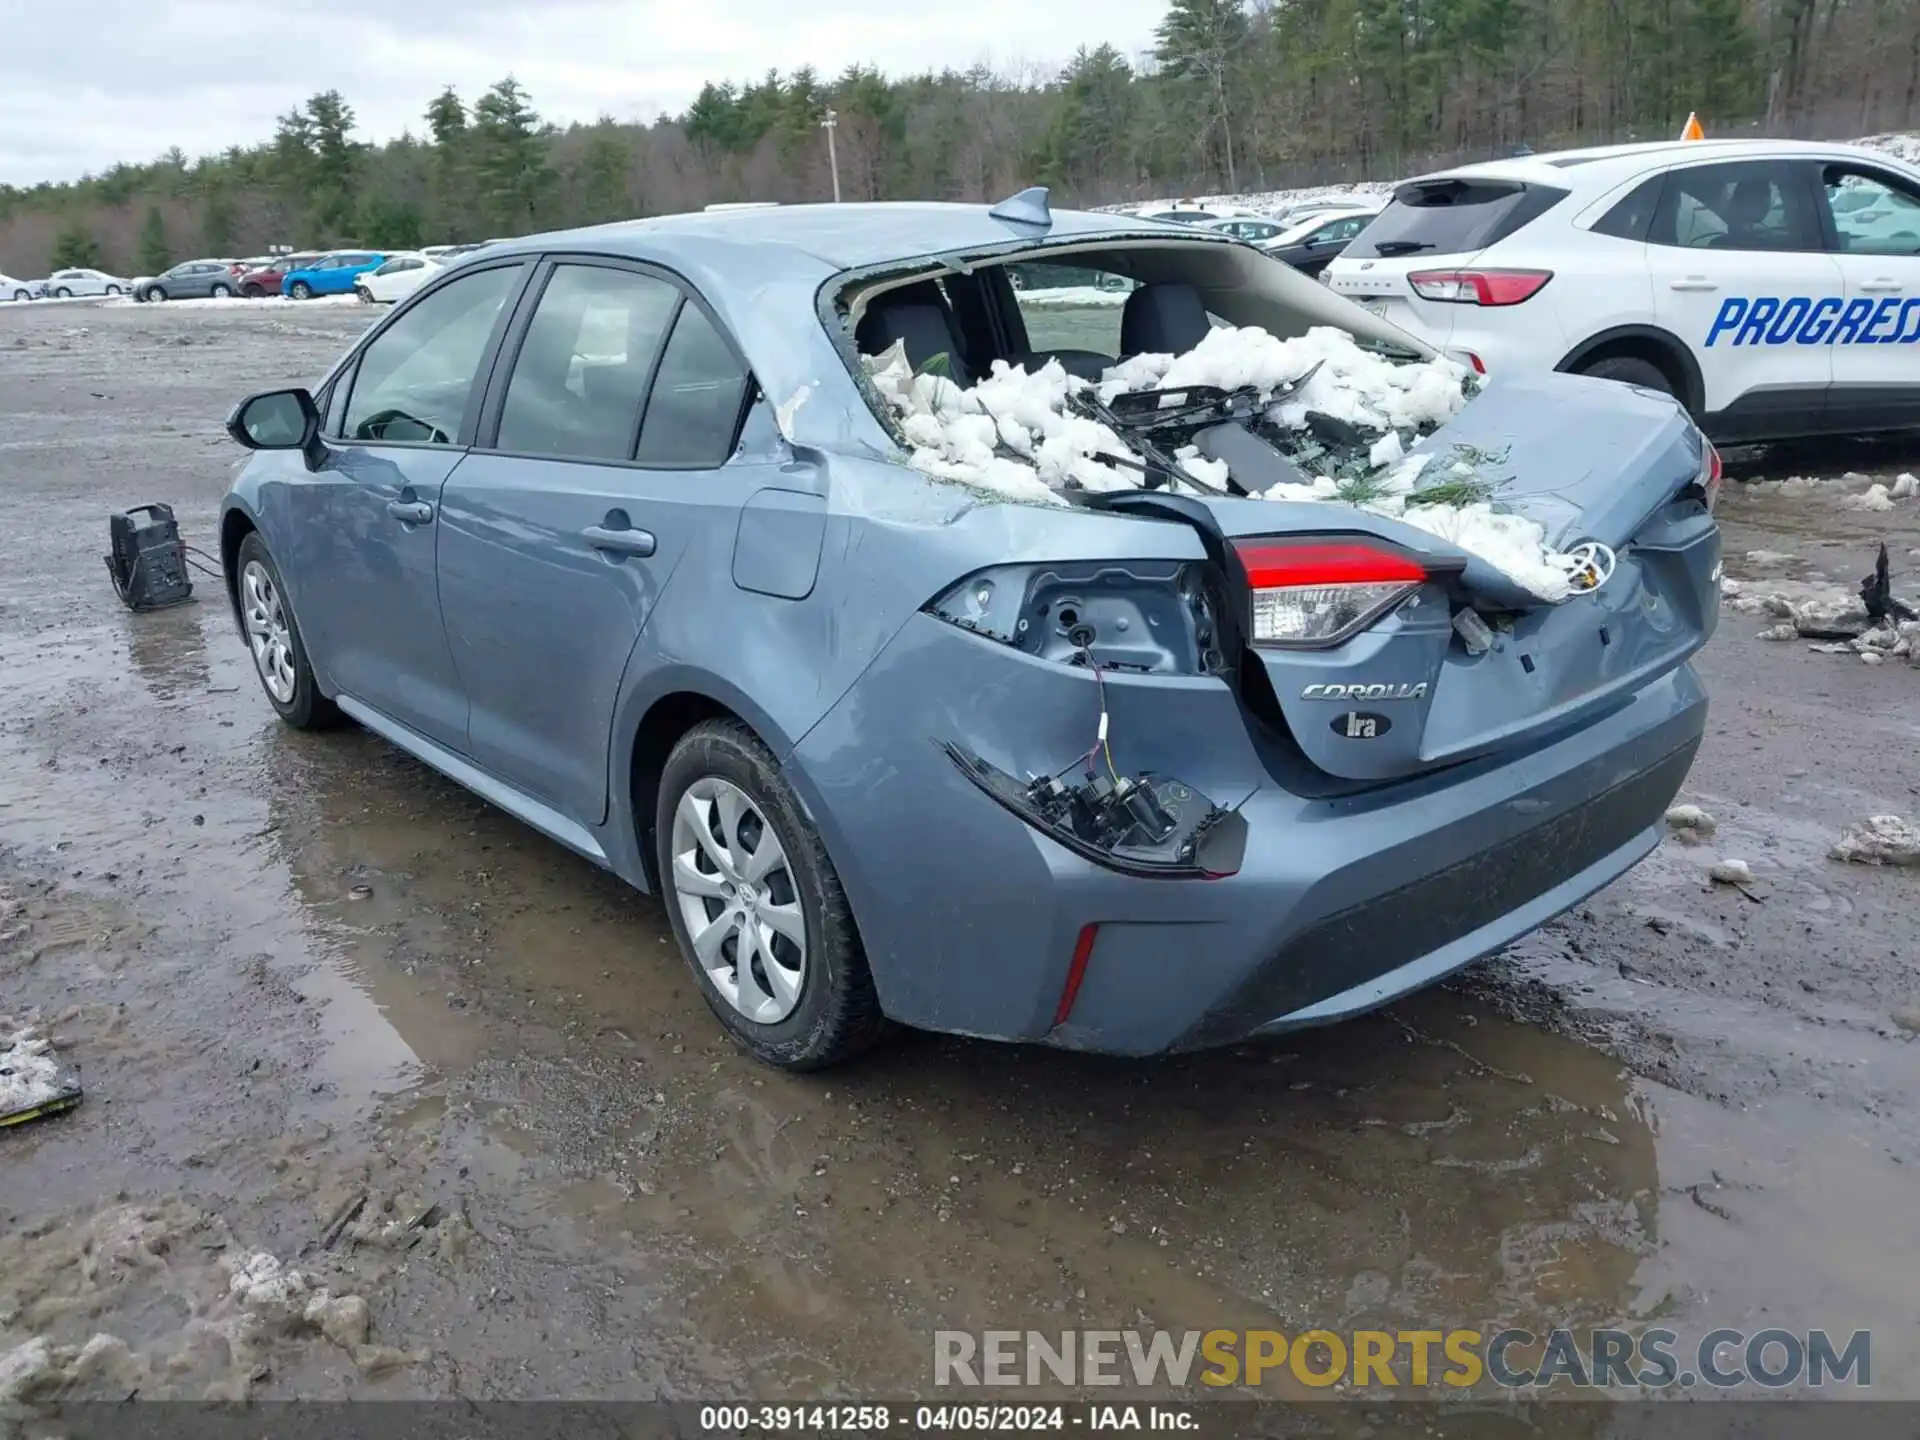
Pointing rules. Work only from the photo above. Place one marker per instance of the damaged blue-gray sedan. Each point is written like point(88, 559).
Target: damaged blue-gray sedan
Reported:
point(1052, 627)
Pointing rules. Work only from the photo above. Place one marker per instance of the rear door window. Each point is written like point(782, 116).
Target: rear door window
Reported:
point(1455, 215)
point(1745, 205)
point(583, 364)
point(693, 410)
point(1070, 307)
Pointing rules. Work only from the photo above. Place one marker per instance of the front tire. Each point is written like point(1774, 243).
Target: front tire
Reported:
point(300, 290)
point(273, 638)
point(155, 295)
point(21, 297)
point(756, 905)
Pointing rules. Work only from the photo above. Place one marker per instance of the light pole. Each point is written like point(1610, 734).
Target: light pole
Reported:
point(828, 124)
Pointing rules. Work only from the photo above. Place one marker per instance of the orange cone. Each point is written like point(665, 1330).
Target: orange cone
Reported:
point(1692, 130)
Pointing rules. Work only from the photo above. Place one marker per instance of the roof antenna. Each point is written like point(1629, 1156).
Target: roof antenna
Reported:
point(1029, 207)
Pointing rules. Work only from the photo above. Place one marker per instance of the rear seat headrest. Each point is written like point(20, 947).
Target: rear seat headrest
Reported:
point(1163, 319)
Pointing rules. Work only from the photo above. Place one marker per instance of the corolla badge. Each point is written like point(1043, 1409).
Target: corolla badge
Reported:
point(1365, 692)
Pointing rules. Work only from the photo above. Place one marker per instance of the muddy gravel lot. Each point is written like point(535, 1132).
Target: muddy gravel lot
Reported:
point(335, 1015)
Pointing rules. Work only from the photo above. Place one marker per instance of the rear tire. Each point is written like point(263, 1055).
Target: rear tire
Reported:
point(821, 1004)
point(300, 290)
point(273, 639)
point(63, 293)
point(113, 290)
point(1631, 370)
point(220, 292)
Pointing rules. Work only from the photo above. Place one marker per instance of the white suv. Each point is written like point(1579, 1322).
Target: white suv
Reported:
point(1772, 286)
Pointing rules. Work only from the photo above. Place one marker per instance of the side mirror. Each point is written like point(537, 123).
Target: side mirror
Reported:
point(279, 420)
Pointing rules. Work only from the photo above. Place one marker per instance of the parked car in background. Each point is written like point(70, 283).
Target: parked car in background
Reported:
point(330, 274)
point(12, 289)
point(1293, 214)
point(1191, 212)
point(67, 284)
point(558, 527)
point(1771, 286)
point(1317, 240)
point(189, 280)
point(266, 277)
point(396, 278)
point(1248, 229)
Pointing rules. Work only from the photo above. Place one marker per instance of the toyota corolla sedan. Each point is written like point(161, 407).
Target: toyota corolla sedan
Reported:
point(618, 529)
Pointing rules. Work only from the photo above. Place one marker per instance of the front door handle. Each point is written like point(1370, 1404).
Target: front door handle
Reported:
point(1695, 282)
point(414, 512)
point(619, 542)
point(1879, 285)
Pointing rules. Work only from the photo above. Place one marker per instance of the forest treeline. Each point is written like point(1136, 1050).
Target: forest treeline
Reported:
point(1233, 95)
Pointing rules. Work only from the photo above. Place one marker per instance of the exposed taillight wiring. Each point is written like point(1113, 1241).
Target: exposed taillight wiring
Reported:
point(1101, 745)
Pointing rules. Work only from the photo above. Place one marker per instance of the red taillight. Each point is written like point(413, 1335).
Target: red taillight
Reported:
point(1342, 562)
point(1478, 287)
point(1076, 972)
point(1316, 593)
point(1479, 365)
point(1712, 474)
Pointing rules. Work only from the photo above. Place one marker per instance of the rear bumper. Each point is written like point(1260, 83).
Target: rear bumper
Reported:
point(970, 917)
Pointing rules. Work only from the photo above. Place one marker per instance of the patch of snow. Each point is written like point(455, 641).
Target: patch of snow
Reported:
point(1731, 872)
point(1271, 202)
point(1691, 820)
point(1012, 433)
point(1875, 497)
point(29, 1070)
point(1832, 613)
point(1073, 297)
point(1879, 840)
point(24, 1367)
point(1768, 559)
point(1905, 487)
point(1779, 632)
point(1903, 145)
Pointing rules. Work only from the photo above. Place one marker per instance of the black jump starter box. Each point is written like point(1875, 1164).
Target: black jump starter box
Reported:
point(148, 562)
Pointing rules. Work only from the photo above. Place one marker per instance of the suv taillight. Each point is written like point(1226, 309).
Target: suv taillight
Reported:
point(1478, 287)
point(1313, 593)
point(1712, 474)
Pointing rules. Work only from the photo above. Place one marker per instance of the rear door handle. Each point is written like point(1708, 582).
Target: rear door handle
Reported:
point(1879, 285)
point(1695, 282)
point(619, 542)
point(414, 512)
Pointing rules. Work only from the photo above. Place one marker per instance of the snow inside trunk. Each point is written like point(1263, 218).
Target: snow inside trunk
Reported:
point(1026, 435)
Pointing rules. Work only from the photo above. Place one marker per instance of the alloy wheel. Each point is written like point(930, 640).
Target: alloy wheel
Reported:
point(735, 889)
point(269, 635)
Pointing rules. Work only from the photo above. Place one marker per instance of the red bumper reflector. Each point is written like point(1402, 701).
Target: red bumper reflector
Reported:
point(1076, 972)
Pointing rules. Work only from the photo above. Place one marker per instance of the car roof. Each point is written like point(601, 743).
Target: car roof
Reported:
point(1601, 167)
point(839, 237)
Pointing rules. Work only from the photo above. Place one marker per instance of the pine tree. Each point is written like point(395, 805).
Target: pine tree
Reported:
point(75, 247)
point(510, 159)
point(153, 253)
point(1200, 43)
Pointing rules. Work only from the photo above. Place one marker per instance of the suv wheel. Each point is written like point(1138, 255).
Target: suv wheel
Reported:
point(220, 292)
point(1630, 370)
point(756, 905)
point(273, 635)
point(154, 294)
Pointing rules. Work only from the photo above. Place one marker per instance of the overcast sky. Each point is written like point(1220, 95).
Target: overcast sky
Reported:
point(82, 87)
